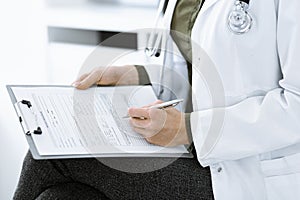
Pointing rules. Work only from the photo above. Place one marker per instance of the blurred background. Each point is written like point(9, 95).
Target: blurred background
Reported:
point(46, 42)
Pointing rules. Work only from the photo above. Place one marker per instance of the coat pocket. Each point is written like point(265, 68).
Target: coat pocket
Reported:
point(282, 177)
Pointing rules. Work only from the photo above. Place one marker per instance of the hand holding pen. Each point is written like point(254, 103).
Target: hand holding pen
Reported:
point(158, 125)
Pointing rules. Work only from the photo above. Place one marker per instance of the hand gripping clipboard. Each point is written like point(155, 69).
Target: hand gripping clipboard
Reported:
point(31, 128)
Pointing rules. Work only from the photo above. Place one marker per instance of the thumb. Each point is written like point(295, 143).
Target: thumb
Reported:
point(90, 79)
point(152, 104)
point(142, 113)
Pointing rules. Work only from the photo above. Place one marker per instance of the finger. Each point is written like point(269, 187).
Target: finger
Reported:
point(76, 83)
point(90, 80)
point(138, 112)
point(82, 77)
point(140, 123)
point(152, 104)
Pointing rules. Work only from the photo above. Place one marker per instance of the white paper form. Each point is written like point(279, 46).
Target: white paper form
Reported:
point(87, 122)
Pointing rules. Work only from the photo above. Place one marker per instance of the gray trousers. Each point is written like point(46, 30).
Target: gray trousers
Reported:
point(91, 179)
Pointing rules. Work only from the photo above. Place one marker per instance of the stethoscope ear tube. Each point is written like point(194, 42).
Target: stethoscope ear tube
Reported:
point(153, 47)
point(157, 43)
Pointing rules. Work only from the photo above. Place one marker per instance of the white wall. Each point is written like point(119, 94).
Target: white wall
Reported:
point(21, 62)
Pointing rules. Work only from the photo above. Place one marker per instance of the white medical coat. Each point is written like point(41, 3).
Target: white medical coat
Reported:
point(246, 99)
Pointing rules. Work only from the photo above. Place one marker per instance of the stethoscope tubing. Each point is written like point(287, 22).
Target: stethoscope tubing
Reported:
point(157, 41)
point(154, 43)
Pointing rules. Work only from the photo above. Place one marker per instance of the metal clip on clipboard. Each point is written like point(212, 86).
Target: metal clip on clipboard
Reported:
point(26, 113)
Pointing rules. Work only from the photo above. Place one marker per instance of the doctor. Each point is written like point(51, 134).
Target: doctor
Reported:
point(251, 138)
point(246, 97)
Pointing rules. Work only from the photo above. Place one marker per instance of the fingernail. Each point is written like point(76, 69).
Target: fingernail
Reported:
point(75, 84)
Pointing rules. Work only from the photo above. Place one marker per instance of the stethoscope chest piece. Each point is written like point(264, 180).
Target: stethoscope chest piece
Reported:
point(239, 20)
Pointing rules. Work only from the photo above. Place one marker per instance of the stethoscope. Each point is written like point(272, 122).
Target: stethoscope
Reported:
point(239, 22)
point(157, 42)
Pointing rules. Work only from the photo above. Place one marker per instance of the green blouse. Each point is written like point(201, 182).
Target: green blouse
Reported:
point(184, 17)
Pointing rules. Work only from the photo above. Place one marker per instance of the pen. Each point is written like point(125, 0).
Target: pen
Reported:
point(167, 104)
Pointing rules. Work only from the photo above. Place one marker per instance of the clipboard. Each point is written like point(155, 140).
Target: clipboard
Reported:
point(24, 107)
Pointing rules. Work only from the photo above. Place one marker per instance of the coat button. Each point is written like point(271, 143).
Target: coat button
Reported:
point(219, 169)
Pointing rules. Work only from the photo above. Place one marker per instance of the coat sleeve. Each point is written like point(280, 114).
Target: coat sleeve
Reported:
point(258, 124)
